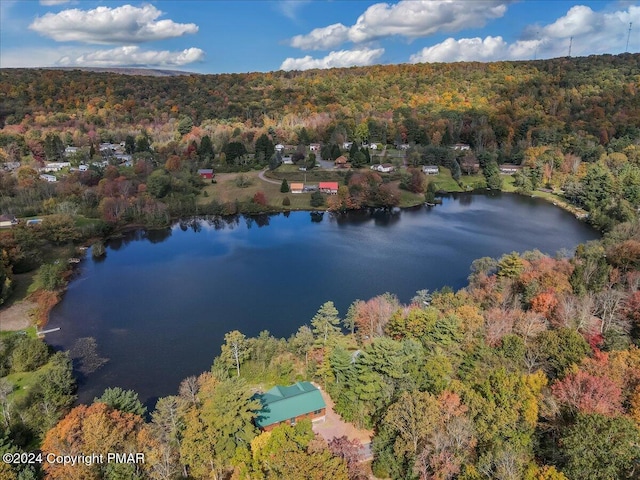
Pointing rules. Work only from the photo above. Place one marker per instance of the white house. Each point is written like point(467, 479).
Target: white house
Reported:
point(430, 169)
point(347, 145)
point(373, 146)
point(461, 146)
point(279, 148)
point(314, 147)
point(8, 220)
point(83, 168)
point(384, 168)
point(509, 169)
point(48, 178)
point(70, 151)
point(55, 166)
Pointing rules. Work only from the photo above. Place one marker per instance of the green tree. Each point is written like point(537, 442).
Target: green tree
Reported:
point(217, 432)
point(317, 199)
point(326, 322)
point(599, 447)
point(185, 124)
point(123, 400)
point(234, 150)
point(28, 354)
point(492, 176)
point(284, 186)
point(265, 146)
point(205, 149)
point(130, 144)
point(159, 183)
point(235, 350)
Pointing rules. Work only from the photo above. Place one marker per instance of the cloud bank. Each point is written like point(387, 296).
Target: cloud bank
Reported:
point(337, 59)
point(408, 18)
point(104, 25)
point(588, 32)
point(133, 56)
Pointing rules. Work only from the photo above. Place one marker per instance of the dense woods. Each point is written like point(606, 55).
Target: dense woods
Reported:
point(531, 371)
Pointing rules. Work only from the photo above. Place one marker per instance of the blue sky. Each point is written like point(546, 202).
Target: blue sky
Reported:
point(217, 36)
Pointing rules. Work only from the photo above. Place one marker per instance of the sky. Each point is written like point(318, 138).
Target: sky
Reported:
point(219, 36)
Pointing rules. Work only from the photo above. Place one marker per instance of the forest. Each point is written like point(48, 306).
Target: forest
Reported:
point(531, 371)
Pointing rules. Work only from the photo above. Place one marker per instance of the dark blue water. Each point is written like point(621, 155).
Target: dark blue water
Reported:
point(160, 303)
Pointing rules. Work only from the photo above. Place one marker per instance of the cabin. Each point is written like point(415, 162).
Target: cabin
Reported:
point(430, 169)
point(8, 220)
point(206, 173)
point(289, 405)
point(296, 187)
point(341, 162)
point(328, 187)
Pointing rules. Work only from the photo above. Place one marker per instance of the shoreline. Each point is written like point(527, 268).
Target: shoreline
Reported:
point(45, 301)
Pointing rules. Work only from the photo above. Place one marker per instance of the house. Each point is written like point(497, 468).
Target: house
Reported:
point(10, 166)
point(287, 160)
point(461, 146)
point(314, 147)
point(384, 168)
point(296, 187)
point(404, 146)
point(8, 220)
point(55, 166)
point(83, 167)
point(279, 148)
point(509, 169)
point(346, 145)
point(70, 151)
point(289, 405)
point(328, 187)
point(373, 146)
point(48, 178)
point(341, 162)
point(206, 173)
point(430, 169)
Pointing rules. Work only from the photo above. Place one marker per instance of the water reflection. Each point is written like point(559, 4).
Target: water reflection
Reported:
point(159, 306)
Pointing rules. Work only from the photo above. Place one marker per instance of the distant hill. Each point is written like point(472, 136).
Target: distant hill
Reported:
point(146, 72)
point(504, 105)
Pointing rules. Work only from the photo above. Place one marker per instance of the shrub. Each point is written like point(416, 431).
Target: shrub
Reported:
point(259, 198)
point(286, 202)
point(317, 199)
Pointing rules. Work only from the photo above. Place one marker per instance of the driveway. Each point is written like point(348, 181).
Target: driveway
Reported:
point(335, 427)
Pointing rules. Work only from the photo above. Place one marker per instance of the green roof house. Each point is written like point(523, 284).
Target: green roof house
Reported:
point(290, 404)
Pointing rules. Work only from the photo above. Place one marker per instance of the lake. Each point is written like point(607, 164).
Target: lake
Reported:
point(160, 303)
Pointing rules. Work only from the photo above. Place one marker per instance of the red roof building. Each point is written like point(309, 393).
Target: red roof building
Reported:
point(328, 187)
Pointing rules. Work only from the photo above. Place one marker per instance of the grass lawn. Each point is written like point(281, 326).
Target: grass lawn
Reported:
point(24, 381)
point(409, 199)
point(227, 190)
point(292, 174)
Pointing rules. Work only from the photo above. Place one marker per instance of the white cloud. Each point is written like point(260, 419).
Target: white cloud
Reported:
point(133, 56)
point(105, 25)
point(50, 3)
point(408, 18)
point(589, 32)
point(322, 38)
point(341, 58)
point(465, 49)
point(291, 8)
